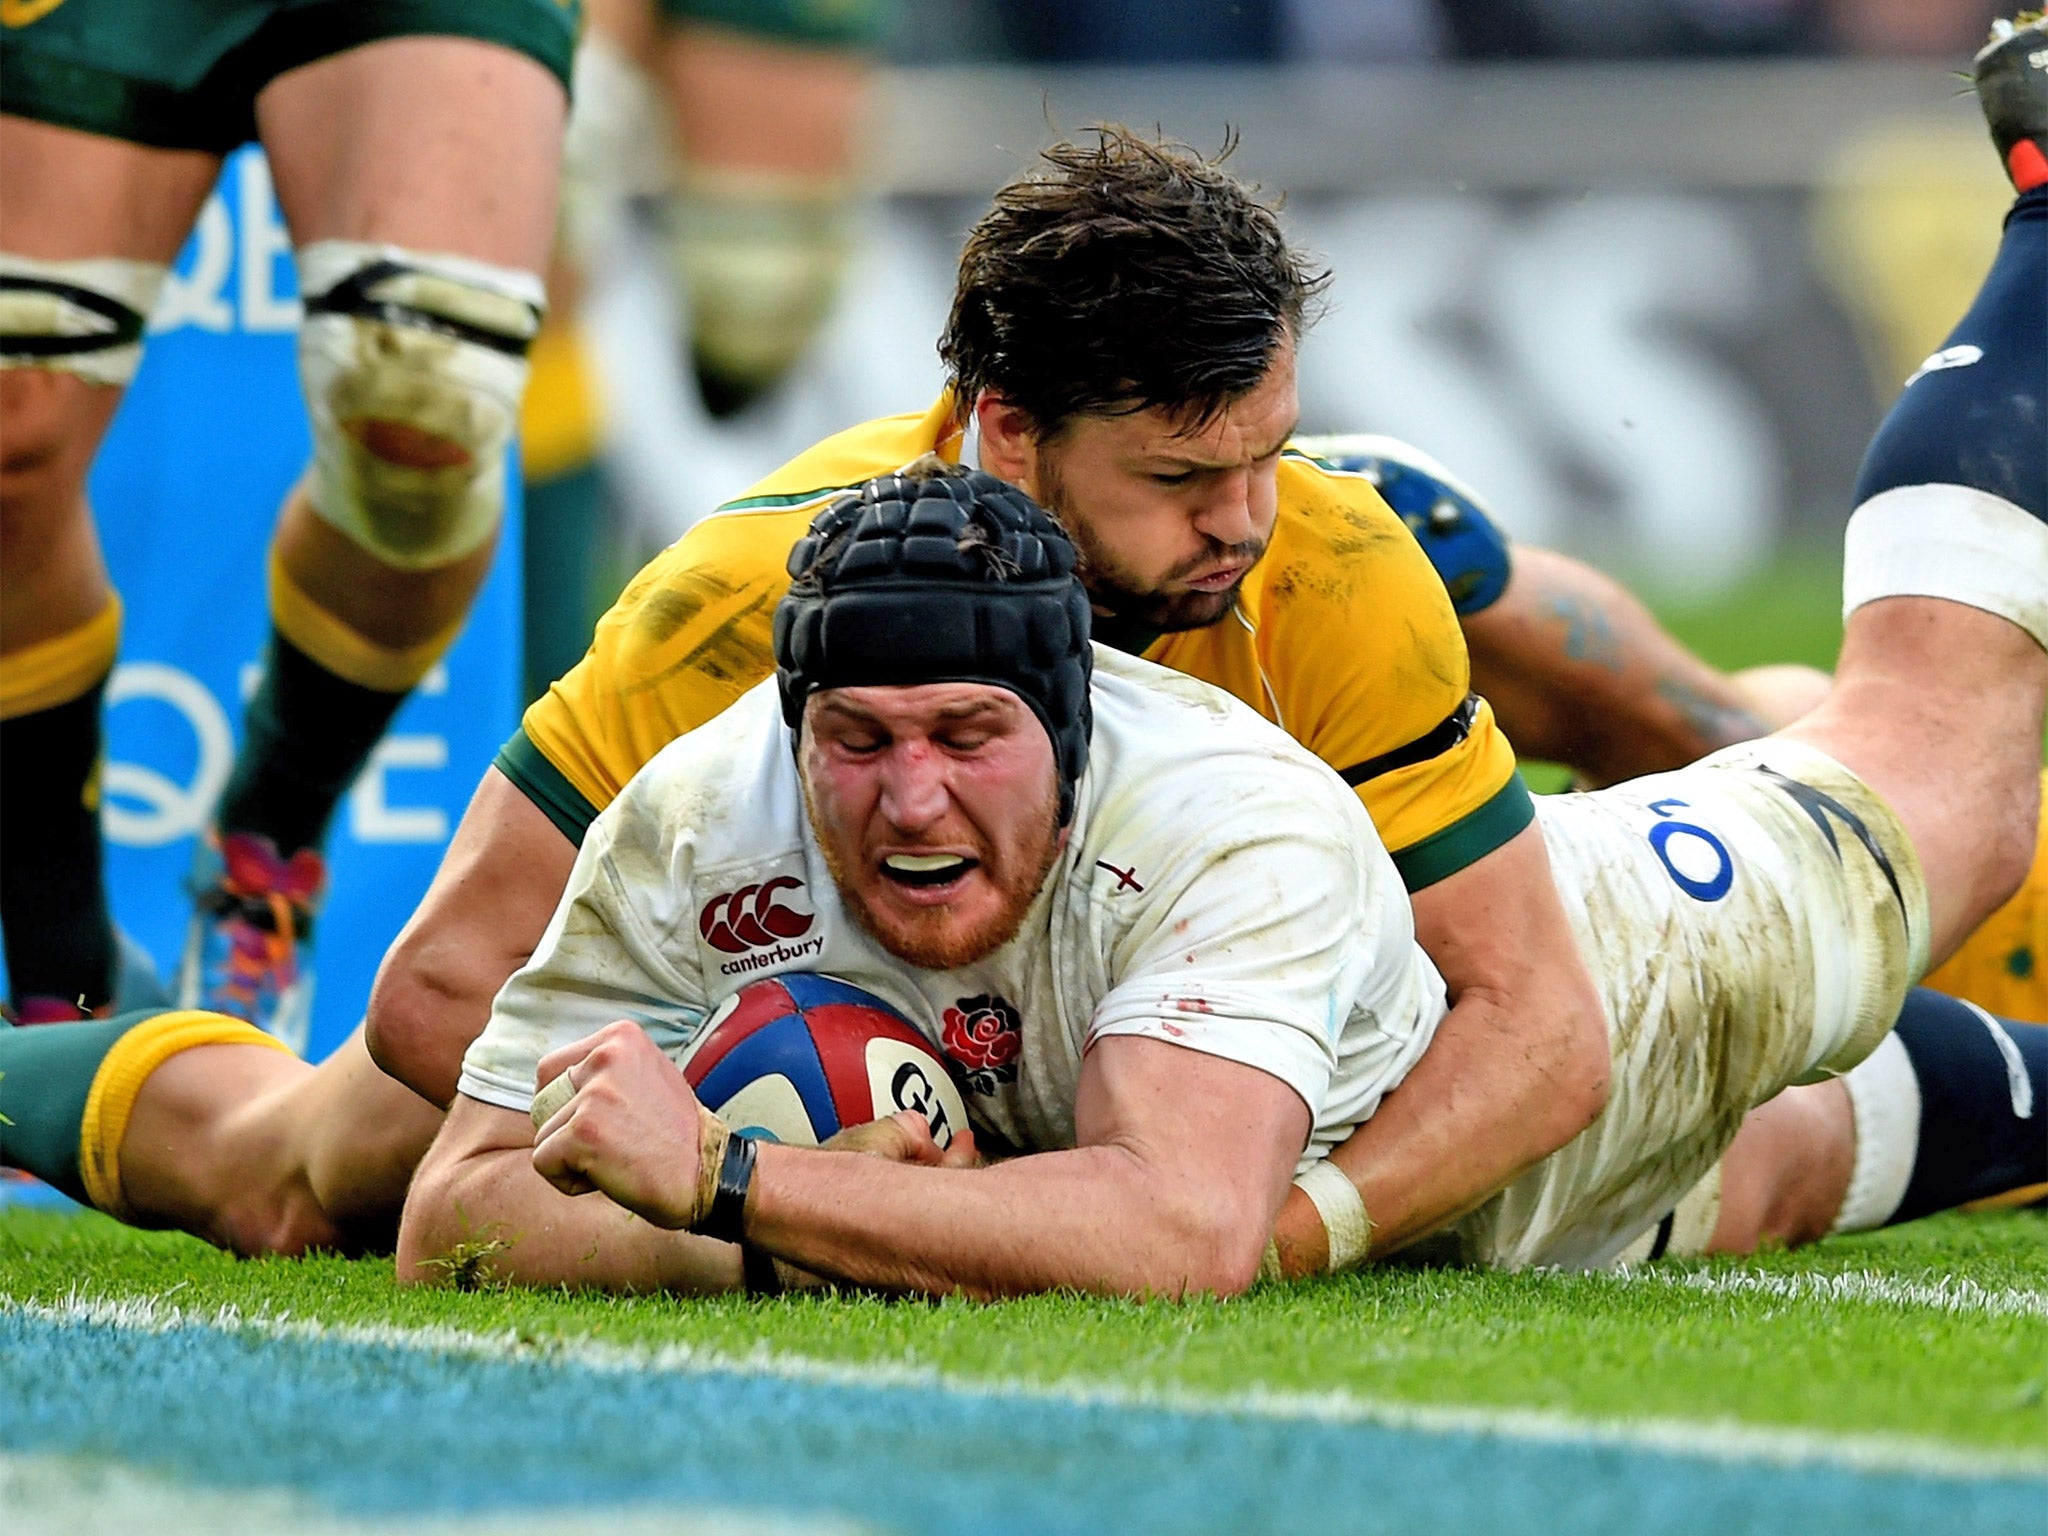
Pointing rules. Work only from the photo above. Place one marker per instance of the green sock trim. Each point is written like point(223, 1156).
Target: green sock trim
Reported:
point(46, 1074)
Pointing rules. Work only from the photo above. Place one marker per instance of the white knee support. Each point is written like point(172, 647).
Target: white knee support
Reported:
point(614, 150)
point(413, 366)
point(80, 317)
point(760, 258)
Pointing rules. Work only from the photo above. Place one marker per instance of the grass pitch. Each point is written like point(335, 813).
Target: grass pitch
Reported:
point(1923, 1351)
point(1937, 1333)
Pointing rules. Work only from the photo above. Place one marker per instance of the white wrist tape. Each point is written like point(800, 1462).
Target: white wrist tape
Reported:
point(548, 1101)
point(1337, 1201)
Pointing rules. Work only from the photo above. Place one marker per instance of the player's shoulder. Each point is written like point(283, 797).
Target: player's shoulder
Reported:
point(722, 578)
point(1340, 553)
point(1188, 789)
point(1449, 520)
point(721, 782)
point(1325, 498)
point(1164, 735)
point(845, 459)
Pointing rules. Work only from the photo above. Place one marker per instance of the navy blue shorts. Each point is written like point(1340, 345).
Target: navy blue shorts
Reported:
point(1977, 412)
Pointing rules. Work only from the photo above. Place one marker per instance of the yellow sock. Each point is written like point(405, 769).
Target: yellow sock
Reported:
point(58, 670)
point(123, 1071)
point(341, 650)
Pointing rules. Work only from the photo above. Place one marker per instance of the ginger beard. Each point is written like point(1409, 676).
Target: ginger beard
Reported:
point(1007, 828)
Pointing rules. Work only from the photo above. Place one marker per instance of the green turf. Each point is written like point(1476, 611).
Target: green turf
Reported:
point(1588, 1345)
point(1790, 611)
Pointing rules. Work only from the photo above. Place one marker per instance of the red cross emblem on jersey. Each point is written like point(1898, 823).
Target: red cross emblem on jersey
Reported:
point(1126, 879)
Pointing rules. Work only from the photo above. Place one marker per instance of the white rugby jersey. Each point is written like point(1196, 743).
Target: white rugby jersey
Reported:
point(1221, 890)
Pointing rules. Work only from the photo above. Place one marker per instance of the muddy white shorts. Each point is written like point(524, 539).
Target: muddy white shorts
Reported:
point(1751, 921)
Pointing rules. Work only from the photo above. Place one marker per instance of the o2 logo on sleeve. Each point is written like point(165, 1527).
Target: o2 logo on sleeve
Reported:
point(1696, 860)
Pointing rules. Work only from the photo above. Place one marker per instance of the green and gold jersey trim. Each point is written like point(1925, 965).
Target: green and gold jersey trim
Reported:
point(546, 786)
point(1470, 838)
point(782, 503)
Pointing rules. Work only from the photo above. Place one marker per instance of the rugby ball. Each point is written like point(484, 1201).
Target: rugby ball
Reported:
point(795, 1057)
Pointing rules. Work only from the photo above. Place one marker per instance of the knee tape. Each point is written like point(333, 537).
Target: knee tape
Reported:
point(1884, 1099)
point(413, 367)
point(1949, 541)
point(79, 317)
point(760, 258)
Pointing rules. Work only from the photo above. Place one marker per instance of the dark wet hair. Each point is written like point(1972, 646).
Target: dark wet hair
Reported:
point(1124, 274)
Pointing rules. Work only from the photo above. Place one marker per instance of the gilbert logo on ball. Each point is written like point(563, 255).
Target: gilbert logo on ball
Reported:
point(796, 1057)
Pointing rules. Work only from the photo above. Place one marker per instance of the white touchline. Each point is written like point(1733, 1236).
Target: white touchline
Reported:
point(1719, 1440)
point(1941, 1293)
point(63, 1495)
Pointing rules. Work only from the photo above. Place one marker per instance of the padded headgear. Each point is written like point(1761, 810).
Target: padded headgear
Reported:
point(950, 576)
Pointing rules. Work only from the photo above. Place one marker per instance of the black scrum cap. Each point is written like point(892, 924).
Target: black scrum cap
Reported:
point(939, 574)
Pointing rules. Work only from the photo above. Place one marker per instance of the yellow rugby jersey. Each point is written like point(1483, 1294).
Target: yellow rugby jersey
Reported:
point(1343, 635)
point(2003, 966)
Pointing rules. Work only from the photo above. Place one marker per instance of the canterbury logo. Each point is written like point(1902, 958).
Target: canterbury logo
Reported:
point(751, 917)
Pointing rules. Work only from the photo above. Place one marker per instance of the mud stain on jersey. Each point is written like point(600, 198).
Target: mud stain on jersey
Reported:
point(736, 649)
point(1347, 552)
point(663, 612)
point(1191, 691)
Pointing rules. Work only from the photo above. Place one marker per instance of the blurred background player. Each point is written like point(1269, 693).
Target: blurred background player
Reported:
point(738, 125)
point(414, 149)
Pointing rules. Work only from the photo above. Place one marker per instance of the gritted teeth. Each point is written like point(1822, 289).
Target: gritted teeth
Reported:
point(926, 868)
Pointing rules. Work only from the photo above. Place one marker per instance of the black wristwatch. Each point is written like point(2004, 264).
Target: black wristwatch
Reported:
point(727, 1218)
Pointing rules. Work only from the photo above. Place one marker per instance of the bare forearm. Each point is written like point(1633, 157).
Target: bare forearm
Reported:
point(1580, 672)
point(490, 1216)
point(1476, 1112)
point(1091, 1219)
point(429, 1002)
point(478, 923)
